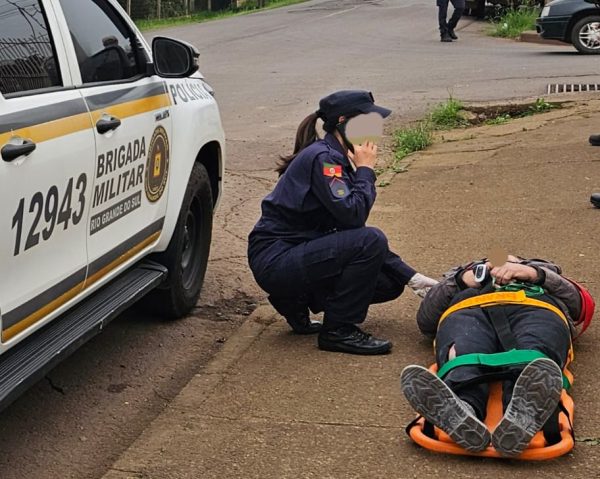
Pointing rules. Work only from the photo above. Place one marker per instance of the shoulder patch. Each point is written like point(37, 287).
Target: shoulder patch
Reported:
point(339, 188)
point(332, 171)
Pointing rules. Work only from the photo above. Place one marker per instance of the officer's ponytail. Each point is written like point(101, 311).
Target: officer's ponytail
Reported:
point(306, 134)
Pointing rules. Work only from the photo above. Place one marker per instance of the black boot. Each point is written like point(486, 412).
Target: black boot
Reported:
point(445, 37)
point(302, 324)
point(451, 34)
point(351, 339)
point(595, 199)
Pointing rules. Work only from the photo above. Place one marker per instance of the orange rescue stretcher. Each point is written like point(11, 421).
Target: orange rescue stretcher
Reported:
point(432, 438)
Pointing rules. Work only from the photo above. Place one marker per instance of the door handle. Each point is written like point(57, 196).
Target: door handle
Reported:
point(104, 125)
point(11, 151)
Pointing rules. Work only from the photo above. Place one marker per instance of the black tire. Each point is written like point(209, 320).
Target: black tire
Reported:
point(588, 47)
point(186, 257)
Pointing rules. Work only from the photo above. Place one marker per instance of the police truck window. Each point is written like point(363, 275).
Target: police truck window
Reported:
point(27, 59)
point(102, 41)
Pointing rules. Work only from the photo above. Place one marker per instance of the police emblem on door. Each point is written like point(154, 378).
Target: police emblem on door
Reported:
point(157, 165)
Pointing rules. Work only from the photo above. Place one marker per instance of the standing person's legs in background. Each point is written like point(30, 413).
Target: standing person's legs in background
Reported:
point(459, 8)
point(442, 20)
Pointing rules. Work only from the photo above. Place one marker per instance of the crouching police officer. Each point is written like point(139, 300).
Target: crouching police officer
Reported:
point(311, 248)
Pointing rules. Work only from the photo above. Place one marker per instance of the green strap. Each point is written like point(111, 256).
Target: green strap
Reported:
point(507, 358)
point(531, 290)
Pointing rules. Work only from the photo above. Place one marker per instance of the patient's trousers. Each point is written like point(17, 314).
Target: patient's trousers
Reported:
point(470, 331)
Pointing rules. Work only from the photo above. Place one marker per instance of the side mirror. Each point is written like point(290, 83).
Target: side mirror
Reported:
point(174, 58)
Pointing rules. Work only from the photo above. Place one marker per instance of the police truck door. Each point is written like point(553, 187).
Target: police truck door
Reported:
point(46, 170)
point(130, 111)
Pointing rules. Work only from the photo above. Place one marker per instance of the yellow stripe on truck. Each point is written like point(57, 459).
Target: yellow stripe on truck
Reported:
point(50, 130)
point(82, 121)
point(53, 305)
point(134, 107)
point(33, 318)
point(121, 259)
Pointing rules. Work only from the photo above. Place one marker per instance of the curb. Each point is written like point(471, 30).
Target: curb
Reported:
point(533, 37)
point(197, 390)
point(262, 317)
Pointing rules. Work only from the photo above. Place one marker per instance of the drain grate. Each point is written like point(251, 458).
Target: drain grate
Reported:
point(572, 87)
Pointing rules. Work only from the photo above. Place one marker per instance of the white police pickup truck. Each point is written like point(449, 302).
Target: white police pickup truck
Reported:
point(111, 163)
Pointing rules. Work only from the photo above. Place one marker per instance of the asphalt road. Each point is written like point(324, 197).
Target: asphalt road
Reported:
point(269, 69)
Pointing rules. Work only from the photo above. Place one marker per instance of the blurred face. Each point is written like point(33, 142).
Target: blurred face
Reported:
point(365, 127)
point(498, 256)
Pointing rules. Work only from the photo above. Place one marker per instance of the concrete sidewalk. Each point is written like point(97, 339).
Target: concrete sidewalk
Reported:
point(271, 405)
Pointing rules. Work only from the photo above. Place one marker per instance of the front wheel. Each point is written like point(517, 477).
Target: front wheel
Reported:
point(186, 257)
point(585, 35)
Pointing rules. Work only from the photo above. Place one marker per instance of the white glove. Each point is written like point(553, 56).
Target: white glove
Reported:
point(421, 284)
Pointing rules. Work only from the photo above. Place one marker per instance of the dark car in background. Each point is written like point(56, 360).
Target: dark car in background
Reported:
point(572, 21)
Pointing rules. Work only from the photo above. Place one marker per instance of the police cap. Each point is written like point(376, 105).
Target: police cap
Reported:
point(349, 103)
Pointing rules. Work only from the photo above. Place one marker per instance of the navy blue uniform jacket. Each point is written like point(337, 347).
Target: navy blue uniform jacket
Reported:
point(308, 202)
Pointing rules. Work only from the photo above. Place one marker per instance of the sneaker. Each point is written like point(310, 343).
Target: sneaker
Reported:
point(594, 140)
point(435, 401)
point(452, 34)
point(535, 397)
point(445, 37)
point(351, 339)
point(595, 199)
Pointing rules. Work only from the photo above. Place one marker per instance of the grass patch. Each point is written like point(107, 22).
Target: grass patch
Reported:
point(199, 17)
point(540, 106)
point(515, 21)
point(499, 120)
point(446, 116)
point(450, 115)
point(409, 140)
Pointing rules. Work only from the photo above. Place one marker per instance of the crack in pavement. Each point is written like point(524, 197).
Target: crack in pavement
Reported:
point(232, 210)
point(162, 396)
point(242, 172)
point(292, 422)
point(54, 386)
point(451, 152)
point(259, 179)
point(127, 471)
point(235, 235)
point(543, 122)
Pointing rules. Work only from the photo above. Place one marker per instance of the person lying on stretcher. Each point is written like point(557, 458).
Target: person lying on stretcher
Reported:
point(543, 323)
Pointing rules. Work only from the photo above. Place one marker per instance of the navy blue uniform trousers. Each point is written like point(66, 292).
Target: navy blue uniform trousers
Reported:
point(470, 331)
point(340, 273)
